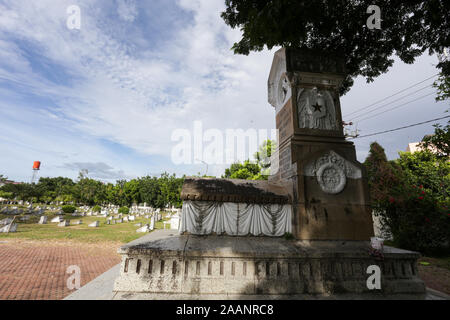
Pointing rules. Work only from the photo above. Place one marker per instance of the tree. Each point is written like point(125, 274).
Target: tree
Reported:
point(338, 27)
point(150, 191)
point(3, 178)
point(410, 195)
point(439, 142)
point(264, 153)
point(442, 84)
point(246, 170)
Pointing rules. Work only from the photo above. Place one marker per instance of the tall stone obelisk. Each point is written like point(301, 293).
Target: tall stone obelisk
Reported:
point(330, 191)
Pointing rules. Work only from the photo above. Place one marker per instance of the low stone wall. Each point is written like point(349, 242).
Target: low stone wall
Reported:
point(245, 267)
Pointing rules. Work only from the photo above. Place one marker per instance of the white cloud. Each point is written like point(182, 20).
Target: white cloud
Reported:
point(134, 98)
point(127, 10)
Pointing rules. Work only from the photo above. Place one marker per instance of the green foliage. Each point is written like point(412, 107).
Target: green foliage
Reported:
point(339, 27)
point(157, 192)
point(124, 210)
point(439, 142)
point(246, 170)
point(250, 170)
point(3, 178)
point(6, 195)
point(442, 84)
point(69, 209)
point(97, 209)
point(410, 195)
point(289, 236)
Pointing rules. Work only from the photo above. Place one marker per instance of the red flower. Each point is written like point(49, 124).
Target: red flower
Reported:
point(391, 200)
point(423, 192)
point(421, 186)
point(420, 198)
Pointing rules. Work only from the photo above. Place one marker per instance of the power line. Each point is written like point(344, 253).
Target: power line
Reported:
point(412, 125)
point(384, 99)
point(396, 107)
point(389, 103)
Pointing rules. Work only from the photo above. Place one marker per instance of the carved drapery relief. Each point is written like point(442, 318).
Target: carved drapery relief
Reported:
point(332, 171)
point(316, 109)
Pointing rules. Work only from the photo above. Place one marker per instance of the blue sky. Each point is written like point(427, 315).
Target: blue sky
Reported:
point(108, 96)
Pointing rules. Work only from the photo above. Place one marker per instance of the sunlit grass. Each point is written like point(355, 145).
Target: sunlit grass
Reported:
point(123, 232)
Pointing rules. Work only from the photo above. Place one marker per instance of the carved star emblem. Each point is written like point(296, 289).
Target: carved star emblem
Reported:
point(317, 107)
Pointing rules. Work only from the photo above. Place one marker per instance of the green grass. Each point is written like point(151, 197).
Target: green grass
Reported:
point(124, 232)
point(441, 262)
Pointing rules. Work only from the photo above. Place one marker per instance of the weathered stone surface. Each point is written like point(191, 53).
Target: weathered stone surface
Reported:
point(64, 223)
point(329, 188)
point(233, 190)
point(57, 220)
point(94, 224)
point(240, 267)
point(9, 228)
point(43, 220)
point(144, 229)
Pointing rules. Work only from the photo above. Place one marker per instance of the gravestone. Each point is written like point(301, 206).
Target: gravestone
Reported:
point(64, 223)
point(57, 220)
point(233, 232)
point(43, 220)
point(95, 224)
point(144, 229)
point(152, 222)
point(131, 218)
point(9, 228)
point(6, 221)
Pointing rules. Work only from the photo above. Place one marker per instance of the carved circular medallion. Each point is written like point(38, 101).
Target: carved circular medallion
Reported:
point(331, 178)
point(284, 89)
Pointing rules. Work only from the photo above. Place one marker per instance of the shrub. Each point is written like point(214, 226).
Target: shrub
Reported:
point(97, 208)
point(124, 210)
point(69, 209)
point(410, 195)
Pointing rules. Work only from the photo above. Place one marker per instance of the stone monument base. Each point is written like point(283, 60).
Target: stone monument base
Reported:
point(224, 267)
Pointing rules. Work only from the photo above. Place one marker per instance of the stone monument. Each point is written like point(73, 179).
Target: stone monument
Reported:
point(330, 192)
point(303, 233)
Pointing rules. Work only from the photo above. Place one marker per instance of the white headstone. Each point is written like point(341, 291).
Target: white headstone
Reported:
point(144, 229)
point(43, 220)
point(9, 228)
point(6, 221)
point(56, 220)
point(65, 223)
point(95, 224)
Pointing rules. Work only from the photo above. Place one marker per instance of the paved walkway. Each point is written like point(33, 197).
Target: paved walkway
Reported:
point(36, 270)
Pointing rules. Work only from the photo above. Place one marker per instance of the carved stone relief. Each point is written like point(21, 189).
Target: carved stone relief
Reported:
point(316, 109)
point(332, 171)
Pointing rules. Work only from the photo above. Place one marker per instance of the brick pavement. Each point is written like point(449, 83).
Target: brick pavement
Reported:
point(36, 270)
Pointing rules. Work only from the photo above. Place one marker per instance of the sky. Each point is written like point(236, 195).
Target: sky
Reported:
point(107, 97)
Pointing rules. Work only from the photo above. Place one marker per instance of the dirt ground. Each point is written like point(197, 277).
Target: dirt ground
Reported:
point(435, 276)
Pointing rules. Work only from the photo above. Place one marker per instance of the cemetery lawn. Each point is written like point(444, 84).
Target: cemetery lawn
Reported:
point(123, 232)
